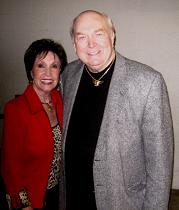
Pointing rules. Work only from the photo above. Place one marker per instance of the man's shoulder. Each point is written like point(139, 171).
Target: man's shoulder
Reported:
point(71, 70)
point(137, 74)
point(137, 69)
point(74, 64)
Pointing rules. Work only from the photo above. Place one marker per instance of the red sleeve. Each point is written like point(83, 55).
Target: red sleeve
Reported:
point(12, 152)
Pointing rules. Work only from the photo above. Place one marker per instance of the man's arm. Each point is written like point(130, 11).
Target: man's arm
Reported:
point(158, 144)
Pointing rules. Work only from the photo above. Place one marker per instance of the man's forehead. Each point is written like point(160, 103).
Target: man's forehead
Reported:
point(90, 16)
point(90, 21)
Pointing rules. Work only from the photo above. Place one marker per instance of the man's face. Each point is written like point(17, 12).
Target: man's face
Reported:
point(93, 41)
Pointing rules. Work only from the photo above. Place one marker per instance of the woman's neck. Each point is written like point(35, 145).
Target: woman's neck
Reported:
point(44, 97)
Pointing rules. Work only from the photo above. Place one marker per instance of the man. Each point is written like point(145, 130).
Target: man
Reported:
point(118, 139)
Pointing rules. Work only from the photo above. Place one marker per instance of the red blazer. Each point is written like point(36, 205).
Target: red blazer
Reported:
point(27, 148)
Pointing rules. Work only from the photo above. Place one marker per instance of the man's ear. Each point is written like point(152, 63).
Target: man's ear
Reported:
point(113, 39)
point(74, 45)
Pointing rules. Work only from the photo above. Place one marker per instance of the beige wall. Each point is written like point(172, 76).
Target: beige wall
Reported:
point(147, 31)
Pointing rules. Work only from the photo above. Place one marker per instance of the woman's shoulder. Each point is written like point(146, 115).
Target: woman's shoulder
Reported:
point(16, 104)
point(16, 101)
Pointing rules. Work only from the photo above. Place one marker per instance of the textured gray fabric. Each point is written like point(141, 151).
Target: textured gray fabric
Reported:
point(134, 155)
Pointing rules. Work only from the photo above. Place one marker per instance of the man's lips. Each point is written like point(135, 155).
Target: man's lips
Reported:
point(93, 53)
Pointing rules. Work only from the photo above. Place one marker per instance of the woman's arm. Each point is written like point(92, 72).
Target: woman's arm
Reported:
point(12, 152)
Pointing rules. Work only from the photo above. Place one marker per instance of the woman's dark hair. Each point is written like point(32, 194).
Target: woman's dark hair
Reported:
point(43, 46)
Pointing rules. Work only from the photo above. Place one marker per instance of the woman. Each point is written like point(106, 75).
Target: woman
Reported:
point(31, 151)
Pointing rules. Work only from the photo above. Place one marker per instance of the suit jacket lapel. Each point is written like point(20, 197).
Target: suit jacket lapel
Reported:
point(71, 84)
point(115, 102)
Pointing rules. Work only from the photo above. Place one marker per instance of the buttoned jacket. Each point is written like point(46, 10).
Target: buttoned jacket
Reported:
point(133, 159)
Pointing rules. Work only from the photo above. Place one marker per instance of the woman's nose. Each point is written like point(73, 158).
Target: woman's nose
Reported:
point(48, 71)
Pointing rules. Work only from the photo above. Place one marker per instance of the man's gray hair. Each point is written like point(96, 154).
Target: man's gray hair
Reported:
point(105, 16)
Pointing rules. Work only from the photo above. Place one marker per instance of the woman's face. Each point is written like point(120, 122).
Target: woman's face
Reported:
point(45, 73)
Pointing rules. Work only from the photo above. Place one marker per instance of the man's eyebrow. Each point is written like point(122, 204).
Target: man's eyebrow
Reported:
point(79, 33)
point(83, 33)
point(100, 30)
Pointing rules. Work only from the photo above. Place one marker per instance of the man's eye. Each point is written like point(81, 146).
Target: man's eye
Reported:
point(81, 37)
point(99, 34)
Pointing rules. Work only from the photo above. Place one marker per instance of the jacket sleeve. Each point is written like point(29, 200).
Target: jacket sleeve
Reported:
point(12, 152)
point(157, 134)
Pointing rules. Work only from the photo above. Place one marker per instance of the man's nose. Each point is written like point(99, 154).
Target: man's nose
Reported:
point(91, 43)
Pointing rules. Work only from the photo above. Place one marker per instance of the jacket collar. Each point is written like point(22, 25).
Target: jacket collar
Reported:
point(34, 102)
point(118, 80)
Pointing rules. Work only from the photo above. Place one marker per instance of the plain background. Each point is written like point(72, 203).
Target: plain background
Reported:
point(147, 31)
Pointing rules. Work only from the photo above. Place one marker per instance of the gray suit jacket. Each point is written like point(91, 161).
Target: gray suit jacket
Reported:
point(132, 166)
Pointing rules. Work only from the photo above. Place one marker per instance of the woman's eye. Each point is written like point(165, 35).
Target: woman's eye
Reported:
point(56, 66)
point(40, 65)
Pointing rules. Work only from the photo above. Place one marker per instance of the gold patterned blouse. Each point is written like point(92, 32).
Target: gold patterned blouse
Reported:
point(55, 168)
